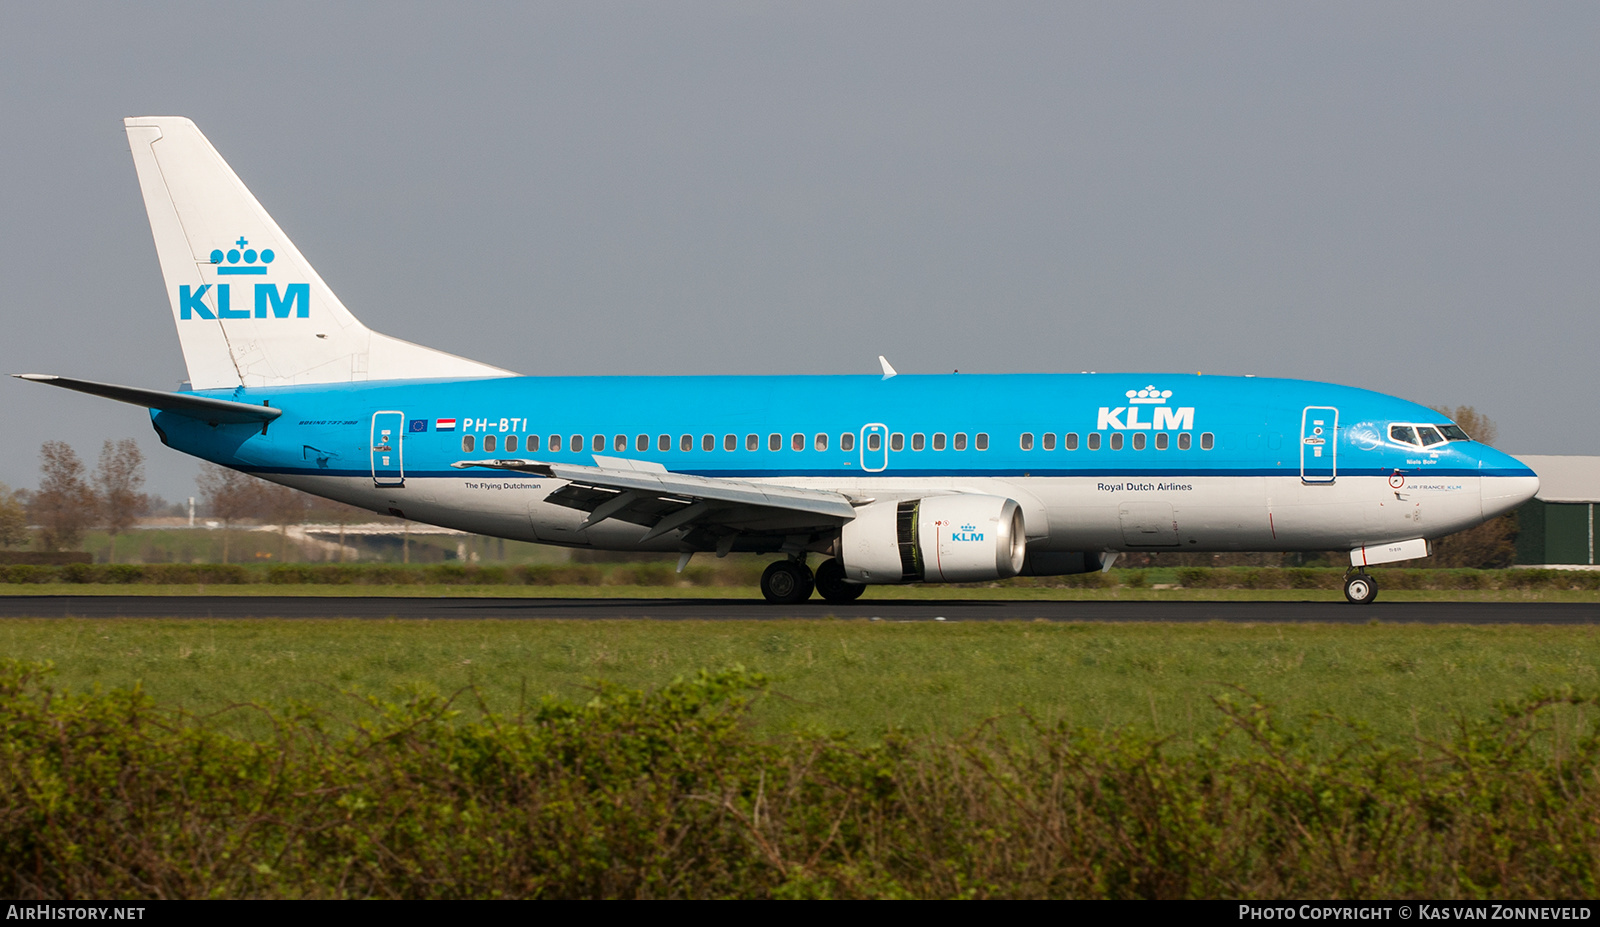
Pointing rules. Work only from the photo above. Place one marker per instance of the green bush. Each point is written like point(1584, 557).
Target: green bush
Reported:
point(671, 794)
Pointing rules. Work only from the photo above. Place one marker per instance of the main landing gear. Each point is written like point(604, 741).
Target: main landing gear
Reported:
point(1359, 588)
point(831, 583)
point(787, 582)
point(790, 582)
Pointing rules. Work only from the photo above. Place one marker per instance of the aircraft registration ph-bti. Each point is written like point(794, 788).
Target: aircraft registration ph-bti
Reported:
point(890, 479)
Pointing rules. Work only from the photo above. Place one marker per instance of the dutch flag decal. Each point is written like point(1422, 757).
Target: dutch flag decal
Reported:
point(446, 424)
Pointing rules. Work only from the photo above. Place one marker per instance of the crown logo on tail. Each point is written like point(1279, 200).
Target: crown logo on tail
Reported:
point(248, 256)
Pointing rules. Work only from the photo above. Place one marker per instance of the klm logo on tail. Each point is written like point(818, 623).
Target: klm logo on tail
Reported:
point(270, 302)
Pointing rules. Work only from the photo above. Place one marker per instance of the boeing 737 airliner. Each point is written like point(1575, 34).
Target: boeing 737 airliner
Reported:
point(889, 479)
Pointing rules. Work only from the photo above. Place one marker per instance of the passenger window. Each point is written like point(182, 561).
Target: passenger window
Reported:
point(730, 442)
point(533, 442)
point(597, 443)
point(918, 441)
point(1116, 441)
point(1094, 440)
point(1429, 436)
point(847, 441)
point(774, 442)
point(488, 443)
point(752, 442)
point(1161, 441)
point(981, 442)
point(642, 443)
point(938, 441)
point(1184, 440)
point(1404, 434)
point(511, 444)
point(961, 441)
point(576, 444)
point(619, 443)
point(686, 443)
point(1070, 441)
point(708, 442)
point(1049, 441)
point(663, 443)
point(555, 443)
point(897, 442)
point(468, 443)
point(874, 441)
point(1138, 441)
point(797, 442)
point(1207, 441)
point(1027, 441)
point(820, 442)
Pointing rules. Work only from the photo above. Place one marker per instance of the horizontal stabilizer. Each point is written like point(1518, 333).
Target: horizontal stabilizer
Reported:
point(204, 408)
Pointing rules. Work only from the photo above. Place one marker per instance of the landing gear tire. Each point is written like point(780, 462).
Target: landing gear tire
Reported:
point(832, 585)
point(787, 583)
point(1360, 589)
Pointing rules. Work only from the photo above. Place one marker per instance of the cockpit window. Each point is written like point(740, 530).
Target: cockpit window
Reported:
point(1429, 435)
point(1453, 433)
point(1405, 434)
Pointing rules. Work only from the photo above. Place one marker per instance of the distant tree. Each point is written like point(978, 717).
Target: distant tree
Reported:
point(1474, 423)
point(1492, 544)
point(64, 505)
point(1489, 546)
point(282, 505)
point(13, 518)
point(118, 479)
point(228, 495)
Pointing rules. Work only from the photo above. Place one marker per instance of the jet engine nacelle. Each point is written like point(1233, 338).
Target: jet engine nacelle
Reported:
point(938, 539)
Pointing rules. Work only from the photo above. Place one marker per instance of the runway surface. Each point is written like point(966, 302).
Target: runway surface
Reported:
point(446, 608)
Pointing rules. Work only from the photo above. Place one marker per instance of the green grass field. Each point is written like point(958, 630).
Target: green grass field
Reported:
point(860, 676)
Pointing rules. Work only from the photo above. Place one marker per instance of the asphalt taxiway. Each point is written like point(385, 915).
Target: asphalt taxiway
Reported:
point(446, 608)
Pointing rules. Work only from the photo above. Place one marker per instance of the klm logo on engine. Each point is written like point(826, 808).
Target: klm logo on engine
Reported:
point(215, 301)
point(1162, 416)
point(967, 533)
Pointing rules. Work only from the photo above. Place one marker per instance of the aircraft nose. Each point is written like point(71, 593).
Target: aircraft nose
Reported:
point(1501, 494)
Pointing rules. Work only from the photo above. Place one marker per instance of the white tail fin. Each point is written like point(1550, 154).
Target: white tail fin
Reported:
point(250, 309)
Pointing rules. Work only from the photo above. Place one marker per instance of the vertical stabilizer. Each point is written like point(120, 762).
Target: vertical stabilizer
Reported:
point(250, 309)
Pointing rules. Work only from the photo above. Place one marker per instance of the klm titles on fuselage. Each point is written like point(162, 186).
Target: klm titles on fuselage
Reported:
point(1163, 417)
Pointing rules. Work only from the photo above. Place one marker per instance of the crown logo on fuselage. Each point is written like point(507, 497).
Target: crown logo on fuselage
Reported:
point(1149, 396)
point(249, 256)
point(1165, 417)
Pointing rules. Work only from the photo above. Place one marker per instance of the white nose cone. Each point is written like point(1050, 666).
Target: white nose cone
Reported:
point(1501, 494)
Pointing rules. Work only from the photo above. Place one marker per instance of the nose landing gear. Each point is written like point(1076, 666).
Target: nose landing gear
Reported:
point(1359, 588)
point(787, 582)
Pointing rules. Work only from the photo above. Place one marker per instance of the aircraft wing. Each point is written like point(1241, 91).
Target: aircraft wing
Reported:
point(648, 494)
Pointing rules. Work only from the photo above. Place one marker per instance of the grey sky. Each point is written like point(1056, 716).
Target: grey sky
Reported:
point(1396, 196)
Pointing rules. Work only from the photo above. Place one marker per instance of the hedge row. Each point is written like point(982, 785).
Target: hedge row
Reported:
point(672, 794)
point(576, 574)
point(746, 573)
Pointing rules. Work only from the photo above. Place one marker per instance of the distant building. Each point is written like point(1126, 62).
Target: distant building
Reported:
point(1556, 527)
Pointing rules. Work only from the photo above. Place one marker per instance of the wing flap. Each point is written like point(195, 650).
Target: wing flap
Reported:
point(647, 494)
